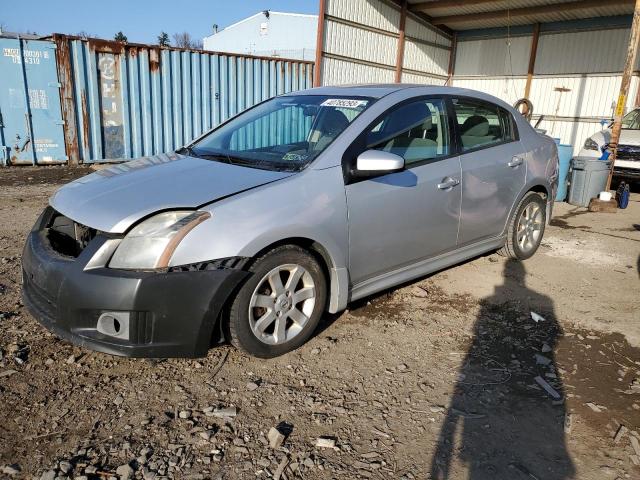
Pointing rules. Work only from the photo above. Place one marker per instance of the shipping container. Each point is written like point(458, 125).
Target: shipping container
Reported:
point(90, 100)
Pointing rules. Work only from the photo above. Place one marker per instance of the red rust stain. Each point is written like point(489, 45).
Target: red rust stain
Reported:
point(65, 74)
point(154, 60)
point(133, 52)
point(85, 119)
point(106, 46)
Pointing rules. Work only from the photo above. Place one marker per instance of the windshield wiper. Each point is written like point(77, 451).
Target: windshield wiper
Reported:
point(188, 151)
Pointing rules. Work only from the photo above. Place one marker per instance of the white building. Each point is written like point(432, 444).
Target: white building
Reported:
point(286, 35)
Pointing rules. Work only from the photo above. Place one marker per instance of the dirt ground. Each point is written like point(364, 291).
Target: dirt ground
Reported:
point(442, 379)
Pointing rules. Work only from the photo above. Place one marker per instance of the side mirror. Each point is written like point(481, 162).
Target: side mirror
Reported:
point(379, 162)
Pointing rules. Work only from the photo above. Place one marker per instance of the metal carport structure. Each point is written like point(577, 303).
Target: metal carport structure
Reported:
point(566, 56)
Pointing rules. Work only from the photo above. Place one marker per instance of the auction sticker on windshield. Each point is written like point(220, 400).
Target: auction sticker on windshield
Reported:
point(343, 102)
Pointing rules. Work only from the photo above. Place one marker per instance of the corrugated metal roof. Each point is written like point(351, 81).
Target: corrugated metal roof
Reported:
point(490, 14)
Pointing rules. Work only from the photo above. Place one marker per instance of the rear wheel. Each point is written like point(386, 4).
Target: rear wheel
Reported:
point(526, 228)
point(279, 307)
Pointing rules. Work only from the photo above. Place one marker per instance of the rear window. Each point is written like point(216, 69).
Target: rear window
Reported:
point(482, 124)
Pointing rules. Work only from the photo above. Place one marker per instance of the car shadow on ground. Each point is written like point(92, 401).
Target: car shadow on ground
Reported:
point(500, 422)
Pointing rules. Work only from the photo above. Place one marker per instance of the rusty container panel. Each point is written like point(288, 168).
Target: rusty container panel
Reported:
point(137, 100)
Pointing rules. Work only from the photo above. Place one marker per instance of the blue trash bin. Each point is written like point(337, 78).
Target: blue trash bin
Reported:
point(565, 153)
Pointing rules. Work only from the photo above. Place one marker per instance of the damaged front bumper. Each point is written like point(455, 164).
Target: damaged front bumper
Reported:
point(166, 314)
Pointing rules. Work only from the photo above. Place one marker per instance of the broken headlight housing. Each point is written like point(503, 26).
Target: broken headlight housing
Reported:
point(151, 243)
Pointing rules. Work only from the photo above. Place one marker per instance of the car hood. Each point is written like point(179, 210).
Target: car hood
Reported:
point(627, 137)
point(113, 199)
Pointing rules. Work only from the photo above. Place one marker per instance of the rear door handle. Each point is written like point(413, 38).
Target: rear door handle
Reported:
point(515, 162)
point(448, 183)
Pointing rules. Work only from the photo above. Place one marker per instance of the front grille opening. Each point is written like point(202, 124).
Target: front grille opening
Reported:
point(67, 237)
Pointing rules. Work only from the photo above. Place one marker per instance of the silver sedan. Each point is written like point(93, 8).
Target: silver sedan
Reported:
point(293, 208)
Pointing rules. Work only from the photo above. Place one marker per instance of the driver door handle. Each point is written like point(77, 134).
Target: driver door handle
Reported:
point(448, 183)
point(515, 162)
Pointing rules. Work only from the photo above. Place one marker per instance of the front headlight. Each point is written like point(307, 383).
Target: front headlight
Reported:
point(151, 243)
point(590, 144)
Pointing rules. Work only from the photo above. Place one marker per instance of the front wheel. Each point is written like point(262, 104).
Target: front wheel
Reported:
point(526, 228)
point(279, 307)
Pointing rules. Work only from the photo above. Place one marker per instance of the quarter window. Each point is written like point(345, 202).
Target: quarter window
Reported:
point(482, 124)
point(416, 131)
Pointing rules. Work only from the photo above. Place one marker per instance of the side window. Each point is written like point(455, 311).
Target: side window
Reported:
point(482, 124)
point(416, 131)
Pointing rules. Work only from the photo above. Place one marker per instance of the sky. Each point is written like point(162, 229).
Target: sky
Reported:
point(140, 20)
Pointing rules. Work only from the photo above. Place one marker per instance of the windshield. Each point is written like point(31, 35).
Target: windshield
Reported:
point(631, 121)
point(284, 133)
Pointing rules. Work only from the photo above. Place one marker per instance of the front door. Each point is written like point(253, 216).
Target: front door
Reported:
point(400, 218)
point(493, 168)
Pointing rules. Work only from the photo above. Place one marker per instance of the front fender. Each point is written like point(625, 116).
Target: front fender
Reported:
point(309, 205)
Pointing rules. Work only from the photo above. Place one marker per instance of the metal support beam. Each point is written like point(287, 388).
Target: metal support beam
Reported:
point(632, 51)
point(532, 59)
point(317, 74)
point(401, 41)
point(437, 4)
point(452, 59)
point(526, 11)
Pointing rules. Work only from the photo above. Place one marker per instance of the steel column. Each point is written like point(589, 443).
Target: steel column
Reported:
point(317, 79)
point(452, 59)
point(632, 51)
point(401, 41)
point(532, 59)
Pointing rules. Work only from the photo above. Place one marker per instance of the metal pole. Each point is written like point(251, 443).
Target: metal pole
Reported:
point(532, 59)
point(27, 107)
point(632, 50)
point(317, 77)
point(401, 39)
point(452, 60)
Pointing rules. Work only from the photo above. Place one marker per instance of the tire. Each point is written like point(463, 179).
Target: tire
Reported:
point(261, 305)
point(514, 247)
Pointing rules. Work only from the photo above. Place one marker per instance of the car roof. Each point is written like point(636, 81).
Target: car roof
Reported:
point(380, 90)
point(372, 90)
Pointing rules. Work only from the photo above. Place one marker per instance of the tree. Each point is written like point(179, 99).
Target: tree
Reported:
point(120, 37)
point(163, 39)
point(184, 40)
point(84, 35)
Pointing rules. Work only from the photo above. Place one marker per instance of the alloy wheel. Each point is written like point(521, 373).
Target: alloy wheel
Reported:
point(529, 228)
point(282, 304)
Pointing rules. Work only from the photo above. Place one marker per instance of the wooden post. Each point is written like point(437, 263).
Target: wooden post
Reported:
point(532, 59)
point(317, 74)
point(400, 55)
point(632, 51)
point(452, 59)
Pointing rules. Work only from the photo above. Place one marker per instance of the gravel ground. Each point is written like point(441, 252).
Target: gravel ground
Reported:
point(450, 377)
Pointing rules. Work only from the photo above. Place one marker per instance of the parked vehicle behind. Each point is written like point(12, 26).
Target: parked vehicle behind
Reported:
point(627, 165)
point(293, 208)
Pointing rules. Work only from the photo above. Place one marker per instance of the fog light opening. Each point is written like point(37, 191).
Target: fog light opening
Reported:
point(114, 324)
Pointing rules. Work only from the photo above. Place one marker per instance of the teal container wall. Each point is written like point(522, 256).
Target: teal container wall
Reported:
point(136, 100)
point(31, 126)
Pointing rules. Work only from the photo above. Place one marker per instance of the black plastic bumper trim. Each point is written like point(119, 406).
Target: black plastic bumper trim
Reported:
point(174, 312)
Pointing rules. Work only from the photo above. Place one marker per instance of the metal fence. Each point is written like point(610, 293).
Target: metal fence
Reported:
point(89, 100)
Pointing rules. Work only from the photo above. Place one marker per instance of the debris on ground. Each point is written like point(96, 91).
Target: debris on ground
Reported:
point(377, 392)
point(537, 318)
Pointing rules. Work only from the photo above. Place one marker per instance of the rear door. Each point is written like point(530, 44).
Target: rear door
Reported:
point(493, 167)
point(400, 218)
